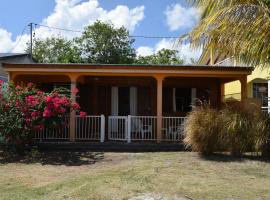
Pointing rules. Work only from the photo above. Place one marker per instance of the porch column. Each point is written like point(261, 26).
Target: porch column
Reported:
point(159, 107)
point(72, 123)
point(222, 92)
point(243, 81)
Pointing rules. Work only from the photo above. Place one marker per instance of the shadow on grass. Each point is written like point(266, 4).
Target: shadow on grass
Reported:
point(225, 157)
point(68, 158)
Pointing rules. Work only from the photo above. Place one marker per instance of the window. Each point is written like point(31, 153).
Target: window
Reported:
point(182, 100)
point(260, 91)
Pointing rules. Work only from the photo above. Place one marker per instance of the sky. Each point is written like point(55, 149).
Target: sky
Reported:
point(162, 18)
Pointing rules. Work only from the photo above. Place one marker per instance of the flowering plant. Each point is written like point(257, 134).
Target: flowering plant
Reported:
point(25, 109)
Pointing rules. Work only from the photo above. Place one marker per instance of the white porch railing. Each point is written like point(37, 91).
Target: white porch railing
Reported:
point(142, 127)
point(173, 128)
point(58, 133)
point(90, 128)
point(118, 128)
point(265, 110)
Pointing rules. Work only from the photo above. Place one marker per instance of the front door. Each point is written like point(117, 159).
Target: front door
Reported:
point(124, 101)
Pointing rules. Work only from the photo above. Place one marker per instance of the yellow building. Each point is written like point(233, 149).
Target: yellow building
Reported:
point(258, 83)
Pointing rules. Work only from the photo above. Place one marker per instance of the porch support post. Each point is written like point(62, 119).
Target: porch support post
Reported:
point(159, 107)
point(72, 128)
point(243, 81)
point(222, 93)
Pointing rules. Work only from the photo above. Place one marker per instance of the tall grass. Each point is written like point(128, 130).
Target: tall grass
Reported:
point(240, 128)
point(237, 128)
point(202, 129)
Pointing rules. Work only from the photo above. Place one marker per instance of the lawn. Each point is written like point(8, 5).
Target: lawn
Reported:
point(136, 176)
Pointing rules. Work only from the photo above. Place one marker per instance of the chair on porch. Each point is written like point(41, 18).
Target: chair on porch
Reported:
point(145, 131)
point(174, 133)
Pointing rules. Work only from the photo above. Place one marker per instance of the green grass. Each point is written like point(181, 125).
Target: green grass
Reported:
point(95, 176)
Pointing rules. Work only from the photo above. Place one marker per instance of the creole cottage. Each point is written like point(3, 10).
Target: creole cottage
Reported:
point(129, 103)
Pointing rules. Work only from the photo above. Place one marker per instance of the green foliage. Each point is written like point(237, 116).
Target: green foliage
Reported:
point(55, 50)
point(202, 130)
point(164, 56)
point(238, 27)
point(99, 43)
point(102, 43)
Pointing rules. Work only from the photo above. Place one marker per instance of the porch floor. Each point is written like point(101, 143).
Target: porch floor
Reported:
point(112, 146)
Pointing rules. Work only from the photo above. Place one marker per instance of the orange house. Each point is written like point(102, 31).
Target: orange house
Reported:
point(129, 103)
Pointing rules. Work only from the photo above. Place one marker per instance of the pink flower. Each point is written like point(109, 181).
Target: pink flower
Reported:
point(30, 84)
point(35, 114)
point(47, 113)
point(75, 90)
point(82, 114)
point(76, 106)
point(48, 99)
point(18, 87)
point(39, 127)
point(40, 92)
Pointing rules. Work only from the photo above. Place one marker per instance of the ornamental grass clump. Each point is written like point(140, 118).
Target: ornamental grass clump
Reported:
point(202, 129)
point(24, 109)
point(241, 127)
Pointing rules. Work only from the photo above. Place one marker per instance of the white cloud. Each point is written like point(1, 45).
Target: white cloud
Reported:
point(145, 51)
point(75, 14)
point(185, 50)
point(165, 44)
point(5, 41)
point(179, 17)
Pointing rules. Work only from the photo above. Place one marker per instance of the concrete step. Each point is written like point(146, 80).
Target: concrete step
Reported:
point(111, 146)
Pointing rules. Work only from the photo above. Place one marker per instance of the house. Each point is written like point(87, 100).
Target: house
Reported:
point(130, 103)
point(258, 83)
point(12, 58)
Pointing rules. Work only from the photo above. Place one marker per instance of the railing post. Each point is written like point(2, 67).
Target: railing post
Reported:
point(102, 128)
point(129, 129)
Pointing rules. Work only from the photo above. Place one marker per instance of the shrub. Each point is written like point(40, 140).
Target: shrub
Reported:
point(202, 130)
point(240, 127)
point(24, 109)
point(263, 136)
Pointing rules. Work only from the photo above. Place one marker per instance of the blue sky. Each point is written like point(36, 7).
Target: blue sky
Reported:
point(141, 17)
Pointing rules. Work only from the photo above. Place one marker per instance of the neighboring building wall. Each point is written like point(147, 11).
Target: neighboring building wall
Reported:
point(259, 75)
point(13, 59)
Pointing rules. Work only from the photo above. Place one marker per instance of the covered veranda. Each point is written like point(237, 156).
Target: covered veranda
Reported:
point(130, 103)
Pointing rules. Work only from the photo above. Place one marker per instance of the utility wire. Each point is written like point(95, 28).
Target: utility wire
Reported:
point(19, 40)
point(132, 36)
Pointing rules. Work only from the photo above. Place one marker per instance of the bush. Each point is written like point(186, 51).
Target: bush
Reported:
point(237, 128)
point(263, 136)
point(24, 109)
point(202, 129)
point(240, 128)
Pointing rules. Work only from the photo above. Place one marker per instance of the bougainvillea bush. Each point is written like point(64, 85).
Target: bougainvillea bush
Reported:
point(24, 109)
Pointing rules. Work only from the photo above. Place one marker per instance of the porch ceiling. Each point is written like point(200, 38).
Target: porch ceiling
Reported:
point(130, 70)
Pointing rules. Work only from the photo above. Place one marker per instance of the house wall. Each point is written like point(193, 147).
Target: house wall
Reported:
point(259, 75)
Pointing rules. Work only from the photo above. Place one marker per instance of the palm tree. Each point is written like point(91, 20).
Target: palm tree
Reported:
point(237, 27)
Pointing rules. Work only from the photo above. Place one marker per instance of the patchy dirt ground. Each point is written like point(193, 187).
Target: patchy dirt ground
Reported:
point(132, 176)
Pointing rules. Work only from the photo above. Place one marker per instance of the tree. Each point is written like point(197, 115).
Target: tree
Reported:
point(55, 50)
point(102, 43)
point(237, 27)
point(164, 56)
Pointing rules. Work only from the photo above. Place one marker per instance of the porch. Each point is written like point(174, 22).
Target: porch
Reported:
point(130, 104)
